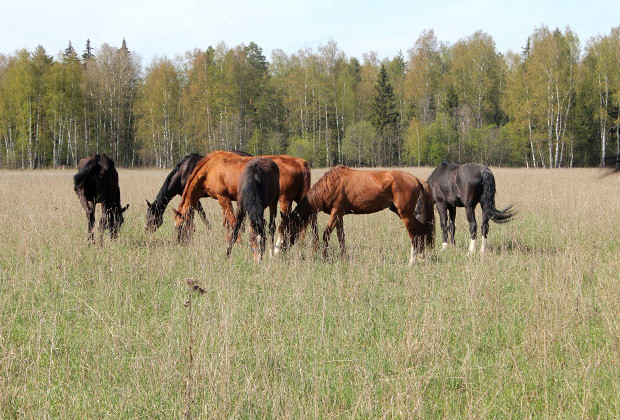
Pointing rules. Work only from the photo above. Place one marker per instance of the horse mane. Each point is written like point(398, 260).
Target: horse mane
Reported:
point(316, 194)
point(314, 198)
point(191, 180)
point(240, 153)
point(161, 195)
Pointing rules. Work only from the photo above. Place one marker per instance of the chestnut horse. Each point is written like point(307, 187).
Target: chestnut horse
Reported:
point(97, 182)
point(259, 187)
point(173, 185)
point(217, 176)
point(344, 191)
point(465, 186)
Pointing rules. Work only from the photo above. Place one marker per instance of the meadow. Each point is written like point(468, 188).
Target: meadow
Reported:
point(532, 329)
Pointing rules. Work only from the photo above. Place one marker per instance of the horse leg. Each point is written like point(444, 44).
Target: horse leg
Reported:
point(227, 213)
point(203, 215)
point(451, 225)
point(262, 239)
point(441, 209)
point(89, 207)
point(473, 227)
point(90, 216)
point(484, 229)
point(333, 219)
point(257, 241)
point(273, 210)
point(417, 239)
point(315, 231)
point(340, 233)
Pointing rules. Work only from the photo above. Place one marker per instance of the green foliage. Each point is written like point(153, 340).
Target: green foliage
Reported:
point(383, 113)
point(440, 140)
point(359, 143)
point(548, 106)
point(301, 147)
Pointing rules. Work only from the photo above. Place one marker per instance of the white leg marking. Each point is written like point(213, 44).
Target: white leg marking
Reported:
point(278, 245)
point(472, 247)
point(483, 245)
point(444, 246)
point(412, 259)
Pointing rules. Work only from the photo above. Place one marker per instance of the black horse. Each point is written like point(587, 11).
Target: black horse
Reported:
point(97, 182)
point(465, 186)
point(259, 188)
point(174, 185)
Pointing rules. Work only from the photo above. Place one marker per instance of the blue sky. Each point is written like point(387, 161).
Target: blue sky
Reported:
point(164, 27)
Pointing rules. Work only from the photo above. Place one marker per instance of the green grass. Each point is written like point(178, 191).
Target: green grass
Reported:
point(530, 330)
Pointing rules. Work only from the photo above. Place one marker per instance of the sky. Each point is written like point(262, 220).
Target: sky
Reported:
point(160, 28)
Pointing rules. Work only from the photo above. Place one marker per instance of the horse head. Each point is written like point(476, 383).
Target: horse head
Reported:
point(154, 216)
point(184, 225)
point(287, 232)
point(114, 219)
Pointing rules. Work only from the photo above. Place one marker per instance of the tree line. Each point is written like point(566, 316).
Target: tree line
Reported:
point(553, 104)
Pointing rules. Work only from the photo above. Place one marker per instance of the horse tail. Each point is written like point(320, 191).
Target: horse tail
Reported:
point(83, 174)
point(487, 200)
point(252, 204)
point(425, 212)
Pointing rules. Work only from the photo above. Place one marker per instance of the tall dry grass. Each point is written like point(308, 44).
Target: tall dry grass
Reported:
point(531, 330)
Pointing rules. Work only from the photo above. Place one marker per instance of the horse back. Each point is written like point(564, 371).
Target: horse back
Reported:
point(97, 179)
point(294, 176)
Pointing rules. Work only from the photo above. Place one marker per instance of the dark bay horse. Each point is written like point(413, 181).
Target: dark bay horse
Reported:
point(465, 186)
point(173, 185)
point(259, 188)
point(344, 191)
point(217, 176)
point(97, 182)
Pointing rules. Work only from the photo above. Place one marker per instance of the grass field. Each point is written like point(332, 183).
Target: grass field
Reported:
point(530, 330)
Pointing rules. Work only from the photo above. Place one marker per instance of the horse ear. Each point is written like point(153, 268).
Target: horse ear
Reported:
point(125, 208)
point(148, 204)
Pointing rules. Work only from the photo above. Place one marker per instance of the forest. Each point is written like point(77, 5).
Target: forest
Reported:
point(553, 104)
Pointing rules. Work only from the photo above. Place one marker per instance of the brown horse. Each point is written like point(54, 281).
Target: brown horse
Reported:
point(173, 185)
point(259, 187)
point(217, 176)
point(348, 191)
point(97, 182)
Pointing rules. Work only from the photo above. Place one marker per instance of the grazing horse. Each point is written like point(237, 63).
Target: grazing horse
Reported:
point(217, 176)
point(97, 182)
point(344, 191)
point(465, 186)
point(173, 185)
point(259, 187)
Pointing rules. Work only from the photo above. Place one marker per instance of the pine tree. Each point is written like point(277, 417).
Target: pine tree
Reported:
point(383, 111)
point(124, 46)
point(384, 116)
point(69, 52)
point(88, 52)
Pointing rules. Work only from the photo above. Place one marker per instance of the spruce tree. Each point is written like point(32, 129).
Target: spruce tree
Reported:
point(383, 114)
point(384, 117)
point(88, 52)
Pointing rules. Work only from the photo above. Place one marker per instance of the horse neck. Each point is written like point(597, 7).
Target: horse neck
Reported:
point(164, 196)
point(194, 190)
